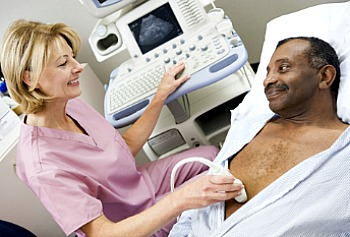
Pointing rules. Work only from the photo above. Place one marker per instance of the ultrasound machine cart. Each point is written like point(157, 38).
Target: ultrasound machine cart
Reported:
point(158, 34)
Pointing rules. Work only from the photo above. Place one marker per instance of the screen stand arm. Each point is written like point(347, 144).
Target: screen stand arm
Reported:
point(177, 110)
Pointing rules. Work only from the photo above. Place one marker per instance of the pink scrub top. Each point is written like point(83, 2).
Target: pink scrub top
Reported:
point(79, 177)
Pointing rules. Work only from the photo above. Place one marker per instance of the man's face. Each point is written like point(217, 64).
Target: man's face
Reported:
point(290, 83)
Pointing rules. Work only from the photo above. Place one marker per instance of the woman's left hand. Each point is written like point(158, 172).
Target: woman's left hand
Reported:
point(171, 80)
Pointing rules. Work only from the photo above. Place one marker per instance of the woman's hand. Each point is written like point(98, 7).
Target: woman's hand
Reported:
point(170, 81)
point(137, 135)
point(207, 190)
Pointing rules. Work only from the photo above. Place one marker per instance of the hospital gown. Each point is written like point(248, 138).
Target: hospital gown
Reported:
point(312, 199)
point(78, 177)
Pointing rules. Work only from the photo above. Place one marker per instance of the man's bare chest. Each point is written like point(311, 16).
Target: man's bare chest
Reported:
point(265, 159)
point(272, 153)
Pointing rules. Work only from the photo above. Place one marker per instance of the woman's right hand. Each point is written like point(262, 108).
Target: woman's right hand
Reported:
point(207, 190)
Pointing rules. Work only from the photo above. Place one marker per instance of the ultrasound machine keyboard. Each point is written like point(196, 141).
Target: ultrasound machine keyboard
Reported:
point(135, 87)
point(132, 85)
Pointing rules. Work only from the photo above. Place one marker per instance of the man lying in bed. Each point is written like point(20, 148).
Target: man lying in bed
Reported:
point(293, 160)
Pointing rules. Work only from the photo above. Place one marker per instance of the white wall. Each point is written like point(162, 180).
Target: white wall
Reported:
point(249, 18)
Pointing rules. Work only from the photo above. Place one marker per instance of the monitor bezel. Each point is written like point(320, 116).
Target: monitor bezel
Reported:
point(101, 10)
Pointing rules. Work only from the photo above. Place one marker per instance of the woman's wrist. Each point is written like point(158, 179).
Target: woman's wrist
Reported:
point(160, 97)
point(177, 202)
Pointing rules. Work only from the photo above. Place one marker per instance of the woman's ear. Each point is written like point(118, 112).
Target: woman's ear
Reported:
point(26, 78)
point(328, 74)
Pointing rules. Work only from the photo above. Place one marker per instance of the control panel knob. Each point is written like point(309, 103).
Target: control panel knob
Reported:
point(101, 30)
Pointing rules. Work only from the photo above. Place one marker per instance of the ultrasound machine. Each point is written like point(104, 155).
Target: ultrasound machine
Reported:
point(158, 34)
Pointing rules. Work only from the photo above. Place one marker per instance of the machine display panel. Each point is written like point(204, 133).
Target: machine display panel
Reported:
point(155, 28)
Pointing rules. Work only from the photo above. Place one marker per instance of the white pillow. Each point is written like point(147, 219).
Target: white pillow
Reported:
point(330, 22)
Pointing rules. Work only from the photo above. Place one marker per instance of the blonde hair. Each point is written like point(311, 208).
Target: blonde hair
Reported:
point(26, 46)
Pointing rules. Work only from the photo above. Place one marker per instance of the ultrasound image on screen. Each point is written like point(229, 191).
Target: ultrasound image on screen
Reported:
point(155, 28)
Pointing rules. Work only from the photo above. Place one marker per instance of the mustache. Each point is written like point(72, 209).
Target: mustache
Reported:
point(276, 86)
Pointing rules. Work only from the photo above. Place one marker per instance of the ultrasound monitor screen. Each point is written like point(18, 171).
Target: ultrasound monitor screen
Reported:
point(155, 28)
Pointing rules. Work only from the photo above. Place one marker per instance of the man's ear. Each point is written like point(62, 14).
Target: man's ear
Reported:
point(328, 74)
